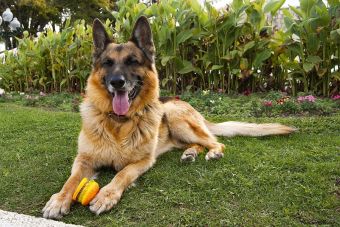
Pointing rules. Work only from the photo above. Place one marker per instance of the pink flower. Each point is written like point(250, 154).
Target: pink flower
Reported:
point(308, 98)
point(42, 94)
point(336, 97)
point(301, 98)
point(268, 103)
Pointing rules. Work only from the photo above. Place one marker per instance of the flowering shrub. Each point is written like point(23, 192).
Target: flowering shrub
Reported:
point(308, 98)
point(282, 100)
point(268, 103)
point(288, 107)
point(276, 103)
point(307, 103)
point(267, 107)
point(336, 97)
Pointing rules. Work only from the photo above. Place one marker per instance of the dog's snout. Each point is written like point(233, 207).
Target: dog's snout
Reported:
point(118, 81)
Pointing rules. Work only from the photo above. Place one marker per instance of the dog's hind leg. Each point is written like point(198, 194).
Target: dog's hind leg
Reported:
point(196, 134)
point(187, 127)
point(190, 154)
point(215, 151)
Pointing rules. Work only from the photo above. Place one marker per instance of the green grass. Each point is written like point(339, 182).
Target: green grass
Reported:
point(288, 180)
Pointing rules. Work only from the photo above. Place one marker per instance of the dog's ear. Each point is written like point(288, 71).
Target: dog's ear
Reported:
point(142, 37)
point(100, 37)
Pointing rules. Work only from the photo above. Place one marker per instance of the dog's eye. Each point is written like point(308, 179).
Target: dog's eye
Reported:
point(131, 61)
point(108, 62)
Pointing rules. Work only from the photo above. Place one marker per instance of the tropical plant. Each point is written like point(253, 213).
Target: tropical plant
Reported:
point(311, 56)
point(52, 62)
point(235, 49)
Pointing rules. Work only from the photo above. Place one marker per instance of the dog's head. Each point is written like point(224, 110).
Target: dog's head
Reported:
point(123, 79)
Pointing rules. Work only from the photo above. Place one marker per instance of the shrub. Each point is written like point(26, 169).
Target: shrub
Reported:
point(231, 50)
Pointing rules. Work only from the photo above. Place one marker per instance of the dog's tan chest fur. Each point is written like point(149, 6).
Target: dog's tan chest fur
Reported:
point(118, 144)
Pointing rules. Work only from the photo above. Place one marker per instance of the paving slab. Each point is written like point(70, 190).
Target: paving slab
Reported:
point(12, 219)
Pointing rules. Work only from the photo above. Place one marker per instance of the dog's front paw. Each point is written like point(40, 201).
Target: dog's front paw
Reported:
point(58, 206)
point(104, 200)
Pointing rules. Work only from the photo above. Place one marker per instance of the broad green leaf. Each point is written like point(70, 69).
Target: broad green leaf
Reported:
point(187, 67)
point(183, 36)
point(165, 81)
point(294, 66)
point(308, 66)
point(63, 82)
point(41, 81)
point(166, 59)
point(289, 22)
point(314, 59)
point(295, 48)
point(216, 67)
point(261, 57)
point(287, 13)
point(297, 11)
point(335, 34)
point(336, 76)
point(188, 87)
point(333, 3)
point(248, 46)
point(306, 6)
point(235, 71)
point(235, 53)
point(236, 4)
point(273, 6)
point(312, 43)
point(231, 55)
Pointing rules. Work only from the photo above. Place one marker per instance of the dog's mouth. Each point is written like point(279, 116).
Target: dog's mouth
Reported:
point(122, 99)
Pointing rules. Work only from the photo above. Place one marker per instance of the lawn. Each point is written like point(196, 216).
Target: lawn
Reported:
point(288, 180)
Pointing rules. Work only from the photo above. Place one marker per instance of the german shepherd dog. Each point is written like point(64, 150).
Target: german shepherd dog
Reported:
point(126, 125)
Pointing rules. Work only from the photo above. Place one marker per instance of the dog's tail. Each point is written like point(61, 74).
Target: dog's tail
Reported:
point(232, 128)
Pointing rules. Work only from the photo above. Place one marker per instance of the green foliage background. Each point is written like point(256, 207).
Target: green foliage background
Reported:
point(230, 50)
point(36, 14)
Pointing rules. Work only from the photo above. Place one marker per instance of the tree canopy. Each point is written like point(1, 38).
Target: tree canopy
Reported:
point(34, 15)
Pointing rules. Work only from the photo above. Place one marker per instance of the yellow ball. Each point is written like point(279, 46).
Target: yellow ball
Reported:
point(85, 191)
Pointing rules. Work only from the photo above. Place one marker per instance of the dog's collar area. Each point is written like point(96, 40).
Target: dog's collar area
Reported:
point(115, 117)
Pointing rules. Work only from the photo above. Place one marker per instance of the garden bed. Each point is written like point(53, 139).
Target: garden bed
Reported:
point(272, 104)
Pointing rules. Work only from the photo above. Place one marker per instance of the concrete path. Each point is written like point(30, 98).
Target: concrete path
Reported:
point(11, 219)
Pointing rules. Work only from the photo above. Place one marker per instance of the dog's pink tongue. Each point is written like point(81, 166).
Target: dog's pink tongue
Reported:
point(120, 103)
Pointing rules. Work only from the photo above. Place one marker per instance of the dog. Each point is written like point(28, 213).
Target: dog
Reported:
point(126, 125)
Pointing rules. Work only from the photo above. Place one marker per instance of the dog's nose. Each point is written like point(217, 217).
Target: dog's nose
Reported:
point(118, 81)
